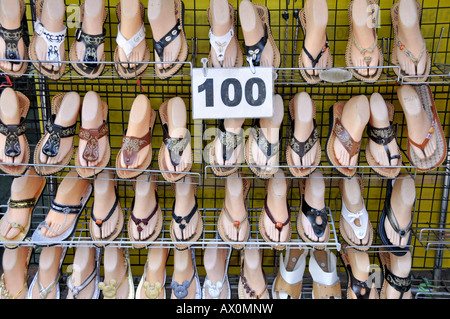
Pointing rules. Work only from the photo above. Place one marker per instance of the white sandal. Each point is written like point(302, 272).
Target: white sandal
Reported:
point(220, 43)
point(326, 283)
point(215, 290)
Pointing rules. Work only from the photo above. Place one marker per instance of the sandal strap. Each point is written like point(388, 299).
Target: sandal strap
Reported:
point(128, 45)
point(65, 209)
point(427, 139)
point(12, 38)
point(311, 214)
point(254, 51)
point(363, 51)
point(214, 290)
point(247, 288)
point(53, 40)
point(44, 291)
point(77, 289)
point(12, 133)
point(110, 289)
point(174, 145)
point(220, 43)
point(144, 221)
point(187, 218)
point(99, 222)
point(91, 151)
point(229, 140)
point(350, 145)
point(167, 39)
point(278, 225)
point(393, 220)
point(5, 292)
point(401, 284)
point(322, 52)
point(409, 54)
point(181, 290)
point(236, 223)
point(91, 43)
point(22, 203)
point(383, 136)
point(269, 149)
point(131, 146)
point(358, 286)
point(301, 148)
point(56, 132)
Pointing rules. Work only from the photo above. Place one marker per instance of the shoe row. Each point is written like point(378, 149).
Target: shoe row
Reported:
point(363, 54)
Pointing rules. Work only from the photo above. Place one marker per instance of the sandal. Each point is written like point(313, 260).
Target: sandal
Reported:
point(11, 39)
point(288, 283)
point(213, 291)
point(367, 58)
point(326, 282)
point(21, 204)
point(93, 277)
point(128, 46)
point(180, 291)
point(398, 43)
point(269, 150)
point(54, 135)
point(13, 132)
point(152, 290)
point(236, 223)
point(230, 142)
point(400, 284)
point(53, 40)
point(161, 44)
point(45, 291)
point(244, 289)
point(4, 292)
point(220, 43)
point(89, 66)
point(302, 148)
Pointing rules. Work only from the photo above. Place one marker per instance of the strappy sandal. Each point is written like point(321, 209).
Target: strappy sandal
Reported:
point(152, 290)
point(359, 288)
point(29, 203)
point(4, 292)
point(93, 277)
point(423, 165)
point(128, 46)
point(91, 151)
point(400, 284)
point(326, 282)
point(397, 43)
point(302, 148)
point(143, 222)
point(175, 146)
point(279, 225)
point(212, 290)
point(45, 291)
point(338, 131)
point(363, 51)
point(230, 142)
point(383, 136)
point(131, 146)
point(388, 215)
point(182, 221)
point(322, 230)
point(220, 43)
point(269, 150)
point(53, 40)
point(236, 223)
point(110, 289)
point(13, 132)
point(288, 283)
point(247, 292)
point(363, 228)
point(54, 135)
point(253, 52)
point(180, 291)
point(41, 240)
point(89, 66)
point(161, 44)
point(312, 79)
point(11, 37)
point(97, 222)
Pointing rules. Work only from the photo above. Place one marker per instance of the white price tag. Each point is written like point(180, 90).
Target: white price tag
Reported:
point(219, 93)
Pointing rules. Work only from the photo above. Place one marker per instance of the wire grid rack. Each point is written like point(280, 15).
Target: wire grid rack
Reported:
point(429, 244)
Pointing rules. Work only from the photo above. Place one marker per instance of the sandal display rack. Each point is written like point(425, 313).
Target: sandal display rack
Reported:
point(430, 244)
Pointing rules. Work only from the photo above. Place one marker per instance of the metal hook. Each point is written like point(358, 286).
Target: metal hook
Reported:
point(250, 63)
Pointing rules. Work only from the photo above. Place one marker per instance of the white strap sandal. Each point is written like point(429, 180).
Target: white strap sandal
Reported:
point(128, 45)
point(288, 283)
point(215, 289)
point(53, 40)
point(363, 217)
point(220, 43)
point(326, 283)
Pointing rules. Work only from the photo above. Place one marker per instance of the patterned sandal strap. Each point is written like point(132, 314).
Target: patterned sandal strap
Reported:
point(220, 43)
point(363, 51)
point(301, 148)
point(91, 43)
point(401, 284)
point(269, 149)
point(167, 39)
point(350, 145)
point(229, 140)
point(53, 40)
point(311, 214)
point(12, 38)
point(22, 203)
point(174, 145)
point(131, 146)
point(91, 151)
point(56, 132)
point(12, 133)
point(254, 51)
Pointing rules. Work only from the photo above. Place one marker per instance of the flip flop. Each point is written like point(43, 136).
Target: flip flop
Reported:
point(338, 131)
point(302, 148)
point(311, 79)
point(213, 291)
point(12, 133)
point(89, 66)
point(383, 136)
point(92, 136)
point(11, 39)
point(4, 292)
point(154, 213)
point(400, 284)
point(53, 40)
point(131, 146)
point(397, 43)
point(279, 225)
point(254, 51)
point(363, 229)
point(424, 165)
point(244, 287)
point(160, 45)
point(229, 142)
point(225, 214)
point(21, 203)
point(130, 44)
point(180, 291)
point(367, 58)
point(54, 134)
point(175, 146)
point(220, 43)
point(326, 282)
point(152, 290)
point(181, 222)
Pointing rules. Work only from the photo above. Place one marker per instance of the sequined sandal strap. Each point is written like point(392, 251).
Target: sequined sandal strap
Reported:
point(12, 133)
point(56, 132)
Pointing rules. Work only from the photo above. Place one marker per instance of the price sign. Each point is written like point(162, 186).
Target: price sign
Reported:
point(219, 93)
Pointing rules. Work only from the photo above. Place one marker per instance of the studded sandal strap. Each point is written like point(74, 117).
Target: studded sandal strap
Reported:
point(91, 43)
point(254, 51)
point(167, 39)
point(12, 38)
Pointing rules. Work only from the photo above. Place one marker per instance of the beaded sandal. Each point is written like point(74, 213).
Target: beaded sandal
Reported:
point(247, 292)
